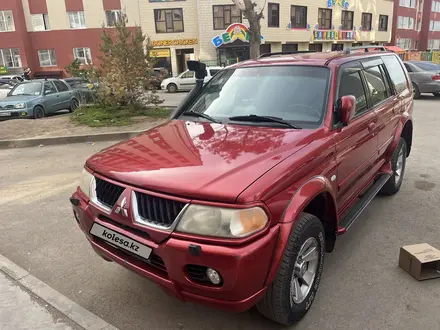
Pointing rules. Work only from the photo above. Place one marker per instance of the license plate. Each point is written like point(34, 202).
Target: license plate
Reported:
point(5, 114)
point(120, 240)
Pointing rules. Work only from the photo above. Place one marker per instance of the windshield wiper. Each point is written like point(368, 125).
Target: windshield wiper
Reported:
point(199, 114)
point(257, 118)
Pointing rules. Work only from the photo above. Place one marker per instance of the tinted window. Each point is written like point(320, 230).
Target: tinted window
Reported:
point(60, 86)
point(351, 84)
point(427, 66)
point(396, 73)
point(49, 88)
point(294, 93)
point(408, 68)
point(376, 85)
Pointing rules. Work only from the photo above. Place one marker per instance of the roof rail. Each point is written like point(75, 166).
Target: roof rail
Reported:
point(366, 48)
point(286, 53)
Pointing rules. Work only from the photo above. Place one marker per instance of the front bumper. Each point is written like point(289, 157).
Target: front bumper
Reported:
point(244, 269)
point(16, 113)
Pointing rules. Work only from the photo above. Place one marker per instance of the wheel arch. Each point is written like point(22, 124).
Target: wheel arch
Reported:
point(407, 135)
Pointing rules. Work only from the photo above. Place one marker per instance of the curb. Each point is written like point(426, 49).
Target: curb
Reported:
point(25, 143)
point(67, 307)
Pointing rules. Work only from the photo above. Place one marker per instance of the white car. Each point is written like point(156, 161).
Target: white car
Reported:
point(187, 80)
point(14, 78)
point(5, 87)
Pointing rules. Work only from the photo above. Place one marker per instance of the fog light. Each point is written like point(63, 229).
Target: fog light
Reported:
point(213, 276)
point(23, 113)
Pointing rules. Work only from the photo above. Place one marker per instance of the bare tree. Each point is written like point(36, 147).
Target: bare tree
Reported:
point(248, 8)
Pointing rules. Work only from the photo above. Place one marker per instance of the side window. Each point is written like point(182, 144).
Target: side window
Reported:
point(351, 84)
point(60, 86)
point(49, 88)
point(189, 74)
point(408, 68)
point(376, 85)
point(396, 73)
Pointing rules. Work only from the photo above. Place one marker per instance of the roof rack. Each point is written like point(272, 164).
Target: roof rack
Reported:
point(286, 53)
point(366, 48)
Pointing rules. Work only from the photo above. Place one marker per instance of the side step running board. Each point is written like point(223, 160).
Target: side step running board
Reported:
point(367, 197)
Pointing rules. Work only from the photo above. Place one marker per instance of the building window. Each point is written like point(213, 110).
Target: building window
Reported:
point(435, 7)
point(347, 20)
point(47, 57)
point(404, 43)
point(325, 18)
point(40, 22)
point(337, 47)
point(112, 16)
point(298, 17)
point(416, 45)
point(168, 20)
point(83, 55)
point(419, 25)
point(10, 57)
point(366, 21)
point(77, 20)
point(225, 16)
point(6, 21)
point(315, 47)
point(289, 47)
point(273, 16)
point(383, 23)
point(407, 3)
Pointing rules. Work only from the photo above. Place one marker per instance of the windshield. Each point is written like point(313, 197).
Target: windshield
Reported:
point(33, 88)
point(292, 93)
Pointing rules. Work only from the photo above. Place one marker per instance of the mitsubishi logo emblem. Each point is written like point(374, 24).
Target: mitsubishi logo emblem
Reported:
point(121, 209)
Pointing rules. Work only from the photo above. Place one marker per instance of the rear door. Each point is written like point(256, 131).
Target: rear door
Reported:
point(356, 144)
point(64, 95)
point(51, 97)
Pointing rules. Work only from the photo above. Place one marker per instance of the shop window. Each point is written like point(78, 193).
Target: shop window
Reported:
point(337, 47)
point(315, 47)
point(168, 20)
point(366, 21)
point(383, 23)
point(40, 22)
point(298, 19)
point(273, 16)
point(6, 21)
point(265, 49)
point(347, 20)
point(225, 15)
point(47, 57)
point(290, 47)
point(325, 18)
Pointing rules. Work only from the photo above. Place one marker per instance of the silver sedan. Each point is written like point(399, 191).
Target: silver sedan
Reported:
point(425, 77)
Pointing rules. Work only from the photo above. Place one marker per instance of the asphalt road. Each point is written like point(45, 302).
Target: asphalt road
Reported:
point(362, 286)
point(171, 99)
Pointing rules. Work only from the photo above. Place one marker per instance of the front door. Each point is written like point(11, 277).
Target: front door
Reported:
point(187, 81)
point(356, 144)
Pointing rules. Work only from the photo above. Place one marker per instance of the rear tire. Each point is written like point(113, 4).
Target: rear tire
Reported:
point(398, 163)
point(74, 104)
point(289, 297)
point(39, 112)
point(416, 91)
point(172, 88)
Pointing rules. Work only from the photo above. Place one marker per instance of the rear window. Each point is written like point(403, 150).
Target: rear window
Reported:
point(427, 66)
point(396, 72)
point(293, 93)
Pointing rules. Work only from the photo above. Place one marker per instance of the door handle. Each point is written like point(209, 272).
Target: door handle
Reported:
point(371, 127)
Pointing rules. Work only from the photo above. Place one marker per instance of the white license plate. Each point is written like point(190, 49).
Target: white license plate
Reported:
point(5, 114)
point(120, 240)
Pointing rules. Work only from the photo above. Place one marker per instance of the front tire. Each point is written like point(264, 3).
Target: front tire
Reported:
point(172, 88)
point(398, 164)
point(39, 112)
point(293, 291)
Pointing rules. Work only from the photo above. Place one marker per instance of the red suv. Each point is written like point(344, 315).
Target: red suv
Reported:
point(235, 200)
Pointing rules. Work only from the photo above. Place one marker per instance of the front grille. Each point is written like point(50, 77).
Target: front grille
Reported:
point(9, 106)
point(138, 232)
point(107, 193)
point(157, 210)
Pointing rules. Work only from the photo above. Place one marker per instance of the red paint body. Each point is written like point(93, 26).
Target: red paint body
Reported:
point(279, 170)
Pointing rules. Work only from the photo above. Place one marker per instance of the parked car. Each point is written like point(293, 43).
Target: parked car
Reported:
point(37, 98)
point(186, 81)
point(14, 78)
point(85, 89)
point(235, 200)
point(425, 77)
point(5, 87)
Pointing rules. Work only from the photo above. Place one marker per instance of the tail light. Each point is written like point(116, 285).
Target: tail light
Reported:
point(436, 77)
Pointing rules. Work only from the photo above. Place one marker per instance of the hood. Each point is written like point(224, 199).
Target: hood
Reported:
point(18, 99)
point(198, 160)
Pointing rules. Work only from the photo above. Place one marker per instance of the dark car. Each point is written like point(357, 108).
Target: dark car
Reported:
point(85, 89)
point(425, 77)
point(236, 199)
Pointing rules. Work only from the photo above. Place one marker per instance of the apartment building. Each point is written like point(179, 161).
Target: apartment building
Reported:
point(416, 24)
point(47, 35)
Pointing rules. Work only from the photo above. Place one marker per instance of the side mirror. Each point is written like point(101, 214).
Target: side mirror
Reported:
point(47, 92)
point(347, 108)
point(199, 68)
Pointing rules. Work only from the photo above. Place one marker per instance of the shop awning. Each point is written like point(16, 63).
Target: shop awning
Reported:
point(48, 74)
point(394, 49)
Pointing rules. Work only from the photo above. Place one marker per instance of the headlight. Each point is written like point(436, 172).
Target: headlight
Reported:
point(86, 183)
point(222, 222)
point(20, 106)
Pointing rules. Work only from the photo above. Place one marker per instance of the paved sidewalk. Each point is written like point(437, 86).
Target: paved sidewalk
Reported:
point(21, 309)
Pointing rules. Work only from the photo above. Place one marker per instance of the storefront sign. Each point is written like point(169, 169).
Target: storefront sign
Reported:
point(4, 70)
point(342, 3)
point(160, 53)
point(233, 32)
point(175, 42)
point(333, 35)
